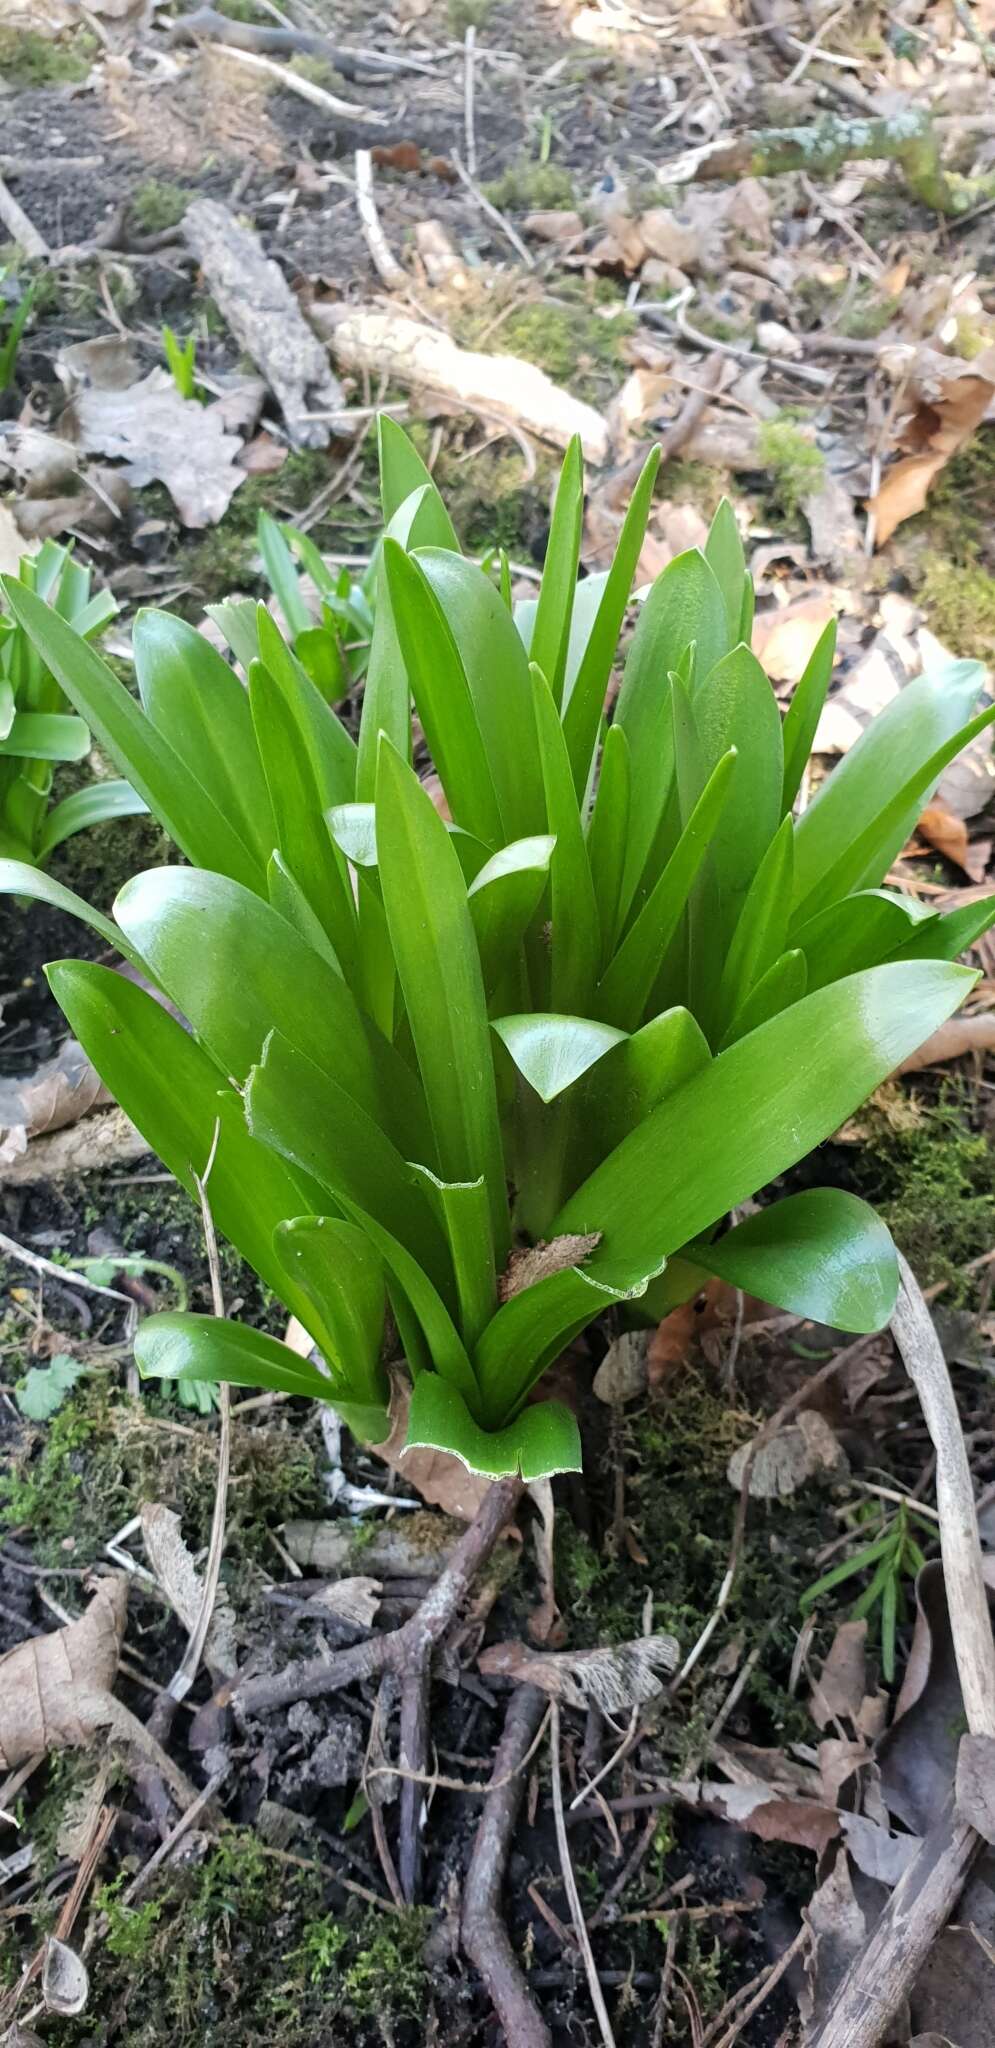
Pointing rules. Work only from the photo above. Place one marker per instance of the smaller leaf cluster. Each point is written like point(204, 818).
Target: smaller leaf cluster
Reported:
point(892, 1556)
point(38, 730)
point(334, 649)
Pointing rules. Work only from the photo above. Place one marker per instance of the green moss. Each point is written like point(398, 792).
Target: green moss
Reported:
point(158, 204)
point(934, 1183)
point(868, 315)
point(578, 344)
point(959, 602)
point(530, 187)
point(318, 71)
point(794, 464)
point(28, 60)
point(43, 1486)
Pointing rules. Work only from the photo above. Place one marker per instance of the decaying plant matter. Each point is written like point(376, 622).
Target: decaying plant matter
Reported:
point(506, 1071)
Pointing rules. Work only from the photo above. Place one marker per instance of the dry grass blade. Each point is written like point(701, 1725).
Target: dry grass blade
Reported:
point(570, 1884)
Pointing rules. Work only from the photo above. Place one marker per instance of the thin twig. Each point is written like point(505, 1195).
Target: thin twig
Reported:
point(469, 52)
point(183, 1677)
point(570, 1884)
point(175, 1835)
point(761, 1988)
point(493, 212)
point(385, 262)
point(22, 230)
point(306, 89)
point(48, 1267)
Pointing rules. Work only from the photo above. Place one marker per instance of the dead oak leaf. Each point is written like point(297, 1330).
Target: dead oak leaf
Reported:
point(54, 1688)
point(938, 428)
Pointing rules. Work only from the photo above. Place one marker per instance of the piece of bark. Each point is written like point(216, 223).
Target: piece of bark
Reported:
point(426, 360)
point(256, 301)
point(107, 1139)
point(412, 1545)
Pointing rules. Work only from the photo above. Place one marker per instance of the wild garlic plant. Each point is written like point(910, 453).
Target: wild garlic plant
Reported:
point(505, 1070)
point(37, 727)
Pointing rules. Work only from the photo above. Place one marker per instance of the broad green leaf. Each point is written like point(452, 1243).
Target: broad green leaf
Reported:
point(584, 693)
point(442, 694)
point(735, 707)
point(423, 1319)
point(860, 931)
point(85, 807)
point(403, 471)
point(232, 964)
point(289, 899)
point(386, 693)
point(175, 1094)
point(924, 720)
point(542, 1440)
point(822, 1254)
point(337, 1267)
point(804, 711)
point(179, 1346)
point(281, 574)
point(758, 1108)
point(46, 736)
point(631, 1080)
point(331, 752)
point(354, 830)
point(950, 933)
point(306, 1116)
point(551, 626)
point(497, 675)
point(607, 835)
point(464, 1211)
point(576, 930)
point(236, 621)
point(783, 984)
point(301, 832)
point(199, 706)
point(151, 765)
point(438, 966)
point(531, 1329)
point(685, 606)
point(19, 878)
point(762, 926)
point(724, 555)
point(503, 898)
point(552, 1051)
point(625, 989)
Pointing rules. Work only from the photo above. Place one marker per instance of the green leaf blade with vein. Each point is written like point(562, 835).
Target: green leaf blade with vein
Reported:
point(823, 1254)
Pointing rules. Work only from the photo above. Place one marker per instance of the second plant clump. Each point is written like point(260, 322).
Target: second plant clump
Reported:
point(505, 1066)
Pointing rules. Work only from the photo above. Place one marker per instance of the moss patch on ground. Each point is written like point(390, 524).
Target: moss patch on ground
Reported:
point(577, 338)
point(29, 60)
point(933, 1180)
point(529, 186)
point(158, 204)
point(793, 464)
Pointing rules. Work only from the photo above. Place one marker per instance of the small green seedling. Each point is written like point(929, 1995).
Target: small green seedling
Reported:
point(895, 1556)
point(37, 727)
point(182, 362)
point(15, 325)
point(508, 1068)
point(103, 1268)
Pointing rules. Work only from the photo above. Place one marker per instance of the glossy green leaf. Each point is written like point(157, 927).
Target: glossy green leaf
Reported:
point(632, 1079)
point(625, 989)
point(916, 728)
point(585, 691)
point(442, 694)
point(950, 933)
point(438, 966)
point(724, 554)
point(551, 626)
point(151, 765)
point(199, 706)
point(175, 1094)
point(762, 926)
point(552, 1052)
point(301, 831)
point(19, 878)
point(504, 896)
point(236, 620)
point(286, 896)
point(607, 835)
point(231, 964)
point(323, 737)
point(531, 1329)
point(758, 1108)
point(685, 605)
point(735, 706)
point(783, 984)
point(496, 670)
point(463, 1209)
point(822, 1254)
point(858, 932)
point(386, 693)
point(179, 1346)
point(576, 929)
point(46, 736)
point(341, 1272)
point(804, 711)
point(542, 1440)
point(402, 471)
point(93, 805)
point(278, 564)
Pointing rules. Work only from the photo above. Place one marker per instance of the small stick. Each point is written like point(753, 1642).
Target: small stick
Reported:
point(469, 52)
point(306, 88)
point(22, 230)
point(48, 1267)
point(482, 1930)
point(761, 1988)
point(675, 1925)
point(387, 266)
point(570, 1884)
point(176, 1834)
point(493, 213)
point(183, 1677)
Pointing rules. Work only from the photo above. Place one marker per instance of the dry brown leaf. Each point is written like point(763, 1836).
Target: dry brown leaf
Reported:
point(184, 1589)
point(54, 1689)
point(947, 834)
point(540, 1261)
point(165, 439)
point(58, 1093)
point(622, 1374)
point(784, 640)
point(941, 424)
point(615, 1679)
point(555, 225)
point(839, 1927)
point(262, 456)
point(798, 1452)
point(838, 1692)
point(673, 1338)
point(960, 1035)
point(107, 1139)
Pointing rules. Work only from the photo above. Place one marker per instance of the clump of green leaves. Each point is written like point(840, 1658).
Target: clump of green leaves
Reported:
point(507, 1070)
point(335, 649)
point(37, 729)
point(181, 358)
point(892, 1556)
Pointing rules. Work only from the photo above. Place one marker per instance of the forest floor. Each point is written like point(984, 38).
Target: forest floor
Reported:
point(789, 338)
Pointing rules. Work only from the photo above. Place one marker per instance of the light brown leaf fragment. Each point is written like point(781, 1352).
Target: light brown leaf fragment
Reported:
point(54, 1689)
point(163, 438)
point(354, 1600)
point(182, 1584)
point(784, 640)
point(615, 1679)
point(441, 1479)
point(960, 1035)
point(540, 1261)
point(621, 1376)
point(947, 834)
point(58, 1093)
point(838, 1692)
point(939, 427)
point(805, 1448)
